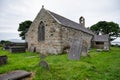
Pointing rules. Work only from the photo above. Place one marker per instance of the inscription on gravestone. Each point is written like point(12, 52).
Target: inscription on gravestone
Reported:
point(75, 49)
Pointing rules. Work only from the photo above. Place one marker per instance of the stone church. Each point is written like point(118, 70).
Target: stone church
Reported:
point(52, 33)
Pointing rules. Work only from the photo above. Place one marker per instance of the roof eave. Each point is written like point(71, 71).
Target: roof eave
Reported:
point(53, 17)
point(79, 30)
point(65, 25)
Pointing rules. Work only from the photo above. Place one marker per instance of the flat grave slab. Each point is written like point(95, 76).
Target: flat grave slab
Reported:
point(15, 75)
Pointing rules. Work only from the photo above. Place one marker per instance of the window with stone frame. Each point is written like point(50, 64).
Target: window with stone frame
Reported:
point(41, 32)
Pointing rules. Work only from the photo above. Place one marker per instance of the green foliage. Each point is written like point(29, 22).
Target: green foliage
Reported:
point(105, 27)
point(1, 45)
point(98, 66)
point(23, 28)
point(2, 42)
point(18, 61)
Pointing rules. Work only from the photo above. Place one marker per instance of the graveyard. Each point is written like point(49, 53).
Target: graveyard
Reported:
point(59, 40)
point(96, 66)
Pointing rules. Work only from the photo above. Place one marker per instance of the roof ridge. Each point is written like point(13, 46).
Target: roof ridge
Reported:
point(68, 23)
point(63, 17)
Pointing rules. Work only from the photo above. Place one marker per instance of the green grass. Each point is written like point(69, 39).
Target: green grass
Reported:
point(98, 66)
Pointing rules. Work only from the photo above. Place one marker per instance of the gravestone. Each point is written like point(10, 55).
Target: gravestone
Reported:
point(99, 50)
point(32, 49)
point(7, 46)
point(106, 47)
point(75, 49)
point(42, 56)
point(84, 48)
point(43, 63)
point(20, 44)
point(15, 75)
point(3, 59)
point(17, 49)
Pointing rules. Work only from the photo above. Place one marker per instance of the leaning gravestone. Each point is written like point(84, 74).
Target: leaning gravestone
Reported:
point(75, 49)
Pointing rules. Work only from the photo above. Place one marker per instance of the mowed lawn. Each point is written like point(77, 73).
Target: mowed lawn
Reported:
point(97, 66)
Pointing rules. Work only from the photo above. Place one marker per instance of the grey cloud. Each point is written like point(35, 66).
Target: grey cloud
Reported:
point(8, 36)
point(15, 11)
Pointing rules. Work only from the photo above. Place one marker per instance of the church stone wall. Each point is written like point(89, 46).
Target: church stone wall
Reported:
point(68, 34)
point(57, 36)
point(52, 43)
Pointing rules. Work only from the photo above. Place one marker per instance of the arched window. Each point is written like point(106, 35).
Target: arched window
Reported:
point(41, 32)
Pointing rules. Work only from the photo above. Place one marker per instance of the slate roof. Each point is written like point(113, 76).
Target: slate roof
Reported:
point(69, 23)
point(101, 38)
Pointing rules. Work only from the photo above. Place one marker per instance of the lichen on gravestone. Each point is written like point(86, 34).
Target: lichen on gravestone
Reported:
point(3, 59)
point(75, 49)
point(43, 63)
point(42, 56)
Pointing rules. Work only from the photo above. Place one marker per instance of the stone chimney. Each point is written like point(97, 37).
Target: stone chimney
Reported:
point(82, 21)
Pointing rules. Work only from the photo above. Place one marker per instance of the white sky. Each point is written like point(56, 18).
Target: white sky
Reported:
point(13, 12)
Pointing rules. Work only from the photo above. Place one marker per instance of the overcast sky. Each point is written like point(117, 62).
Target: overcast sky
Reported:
point(13, 12)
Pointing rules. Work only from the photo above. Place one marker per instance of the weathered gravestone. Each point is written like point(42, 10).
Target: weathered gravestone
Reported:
point(32, 49)
point(17, 49)
point(44, 63)
point(42, 56)
point(3, 59)
point(106, 47)
point(75, 49)
point(7, 46)
point(24, 44)
point(15, 75)
point(84, 48)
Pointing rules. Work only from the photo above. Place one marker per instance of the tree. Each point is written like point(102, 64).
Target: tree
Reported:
point(105, 27)
point(4, 42)
point(23, 28)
